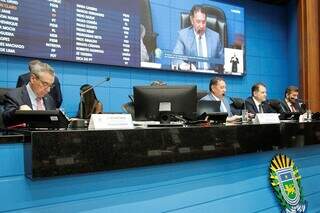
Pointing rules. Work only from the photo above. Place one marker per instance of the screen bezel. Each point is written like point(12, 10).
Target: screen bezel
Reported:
point(183, 101)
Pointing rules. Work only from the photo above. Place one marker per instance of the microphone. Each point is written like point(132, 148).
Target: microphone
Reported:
point(89, 89)
point(94, 86)
point(302, 104)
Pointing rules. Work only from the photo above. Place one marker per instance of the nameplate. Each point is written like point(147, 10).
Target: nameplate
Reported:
point(110, 121)
point(267, 118)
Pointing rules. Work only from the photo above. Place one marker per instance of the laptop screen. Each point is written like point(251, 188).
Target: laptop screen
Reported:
point(53, 119)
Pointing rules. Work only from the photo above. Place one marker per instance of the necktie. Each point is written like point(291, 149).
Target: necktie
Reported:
point(200, 64)
point(260, 108)
point(40, 105)
point(293, 109)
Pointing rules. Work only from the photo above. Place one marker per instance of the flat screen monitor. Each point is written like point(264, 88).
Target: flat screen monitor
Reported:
point(182, 100)
point(52, 119)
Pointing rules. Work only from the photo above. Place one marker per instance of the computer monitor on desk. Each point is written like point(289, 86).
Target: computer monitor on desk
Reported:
point(160, 102)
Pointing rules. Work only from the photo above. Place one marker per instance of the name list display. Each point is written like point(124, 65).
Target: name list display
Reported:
point(93, 31)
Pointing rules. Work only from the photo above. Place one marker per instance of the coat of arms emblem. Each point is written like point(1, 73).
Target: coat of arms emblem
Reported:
point(286, 183)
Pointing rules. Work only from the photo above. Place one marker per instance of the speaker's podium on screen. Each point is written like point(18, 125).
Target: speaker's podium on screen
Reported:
point(165, 103)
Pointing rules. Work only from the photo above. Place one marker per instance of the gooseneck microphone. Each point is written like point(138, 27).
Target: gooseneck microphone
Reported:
point(89, 89)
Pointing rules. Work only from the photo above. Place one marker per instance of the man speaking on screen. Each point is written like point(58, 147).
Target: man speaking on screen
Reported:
point(198, 40)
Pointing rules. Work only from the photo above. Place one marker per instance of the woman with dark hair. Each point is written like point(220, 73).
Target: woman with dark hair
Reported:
point(90, 103)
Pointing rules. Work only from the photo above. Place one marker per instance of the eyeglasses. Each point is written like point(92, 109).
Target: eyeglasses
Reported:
point(44, 84)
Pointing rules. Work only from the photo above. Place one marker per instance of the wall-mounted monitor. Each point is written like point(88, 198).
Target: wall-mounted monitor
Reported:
point(134, 33)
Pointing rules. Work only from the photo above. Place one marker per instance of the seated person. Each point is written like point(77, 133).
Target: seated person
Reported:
point(257, 102)
point(217, 88)
point(291, 102)
point(198, 40)
point(90, 103)
point(55, 92)
point(33, 96)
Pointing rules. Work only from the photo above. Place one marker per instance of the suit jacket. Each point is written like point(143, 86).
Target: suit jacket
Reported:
point(285, 107)
point(55, 92)
point(17, 97)
point(225, 101)
point(251, 107)
point(187, 45)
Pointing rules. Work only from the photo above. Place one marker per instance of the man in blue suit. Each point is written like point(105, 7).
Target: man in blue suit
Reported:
point(218, 88)
point(33, 96)
point(198, 40)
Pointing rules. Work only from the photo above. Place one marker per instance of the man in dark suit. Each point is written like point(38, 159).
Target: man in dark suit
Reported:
point(33, 96)
point(257, 102)
point(290, 102)
point(55, 92)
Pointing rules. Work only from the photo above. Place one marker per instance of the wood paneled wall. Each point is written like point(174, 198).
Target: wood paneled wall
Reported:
point(309, 35)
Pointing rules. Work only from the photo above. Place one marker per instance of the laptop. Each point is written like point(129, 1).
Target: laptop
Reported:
point(211, 110)
point(294, 116)
point(207, 107)
point(51, 119)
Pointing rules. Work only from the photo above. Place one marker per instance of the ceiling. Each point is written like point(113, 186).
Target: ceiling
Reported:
point(278, 2)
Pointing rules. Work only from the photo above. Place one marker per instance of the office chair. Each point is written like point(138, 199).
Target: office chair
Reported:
point(237, 105)
point(216, 21)
point(3, 91)
point(201, 94)
point(275, 104)
point(150, 38)
point(129, 107)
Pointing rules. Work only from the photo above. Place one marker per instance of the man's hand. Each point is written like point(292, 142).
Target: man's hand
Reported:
point(24, 107)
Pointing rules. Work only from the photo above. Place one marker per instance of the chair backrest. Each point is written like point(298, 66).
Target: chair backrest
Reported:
point(3, 91)
point(275, 104)
point(129, 108)
point(237, 105)
point(216, 21)
point(201, 94)
point(150, 38)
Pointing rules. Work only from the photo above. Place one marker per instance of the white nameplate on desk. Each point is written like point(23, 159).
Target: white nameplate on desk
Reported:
point(110, 121)
point(267, 118)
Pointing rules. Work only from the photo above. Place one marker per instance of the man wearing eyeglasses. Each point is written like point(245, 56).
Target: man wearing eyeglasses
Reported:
point(33, 96)
point(55, 92)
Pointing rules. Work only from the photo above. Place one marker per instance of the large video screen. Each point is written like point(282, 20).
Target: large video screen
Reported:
point(134, 33)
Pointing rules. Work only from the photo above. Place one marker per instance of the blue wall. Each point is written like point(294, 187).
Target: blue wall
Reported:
point(271, 38)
